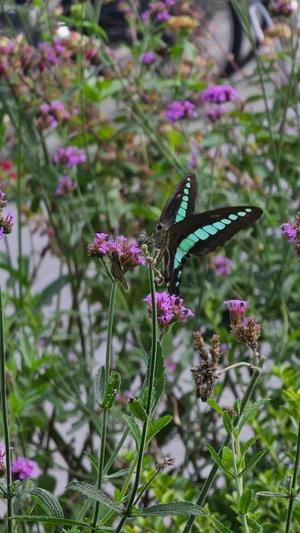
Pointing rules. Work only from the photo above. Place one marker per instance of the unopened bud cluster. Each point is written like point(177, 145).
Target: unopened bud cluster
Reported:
point(207, 373)
point(245, 330)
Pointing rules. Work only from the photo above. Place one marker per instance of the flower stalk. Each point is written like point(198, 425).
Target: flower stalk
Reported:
point(293, 492)
point(107, 367)
point(10, 512)
point(151, 374)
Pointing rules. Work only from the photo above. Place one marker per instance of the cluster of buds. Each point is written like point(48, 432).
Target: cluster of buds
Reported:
point(158, 11)
point(164, 462)
point(284, 7)
point(292, 233)
point(214, 98)
point(170, 308)
point(54, 114)
point(207, 373)
point(6, 219)
point(245, 330)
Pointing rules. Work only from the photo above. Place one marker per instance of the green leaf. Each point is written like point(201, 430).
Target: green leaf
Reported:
point(227, 456)
point(47, 501)
point(137, 409)
point(170, 509)
point(245, 447)
point(212, 403)
point(99, 385)
point(246, 501)
point(249, 411)
point(218, 460)
point(252, 462)
point(227, 421)
point(94, 494)
point(134, 429)
point(270, 494)
point(159, 380)
point(155, 426)
point(111, 390)
point(57, 521)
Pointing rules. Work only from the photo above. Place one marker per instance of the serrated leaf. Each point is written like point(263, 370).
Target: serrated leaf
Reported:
point(255, 526)
point(55, 521)
point(137, 409)
point(134, 429)
point(227, 456)
point(270, 494)
point(218, 460)
point(246, 501)
point(170, 509)
point(94, 494)
point(47, 501)
point(252, 462)
point(155, 426)
point(221, 528)
point(111, 390)
point(99, 385)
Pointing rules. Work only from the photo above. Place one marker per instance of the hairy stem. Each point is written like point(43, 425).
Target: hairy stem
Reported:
point(293, 485)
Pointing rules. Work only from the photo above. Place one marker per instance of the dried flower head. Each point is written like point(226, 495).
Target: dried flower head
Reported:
point(207, 373)
point(164, 462)
point(245, 330)
point(170, 308)
point(182, 22)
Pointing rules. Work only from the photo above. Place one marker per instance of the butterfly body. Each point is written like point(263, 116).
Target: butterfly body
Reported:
point(180, 233)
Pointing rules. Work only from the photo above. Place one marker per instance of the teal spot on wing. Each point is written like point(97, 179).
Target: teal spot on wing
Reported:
point(241, 213)
point(201, 234)
point(210, 229)
point(219, 225)
point(248, 210)
point(185, 198)
point(226, 221)
point(186, 192)
point(179, 218)
point(233, 217)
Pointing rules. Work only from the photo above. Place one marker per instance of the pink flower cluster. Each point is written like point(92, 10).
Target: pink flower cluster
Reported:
point(148, 58)
point(170, 308)
point(289, 231)
point(65, 186)
point(7, 167)
point(51, 52)
point(23, 468)
point(214, 97)
point(179, 110)
point(127, 250)
point(53, 114)
point(158, 11)
point(223, 265)
point(237, 307)
point(284, 7)
point(70, 156)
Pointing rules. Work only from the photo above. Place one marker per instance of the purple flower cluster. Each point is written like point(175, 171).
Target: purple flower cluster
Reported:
point(51, 52)
point(65, 186)
point(70, 156)
point(179, 110)
point(237, 307)
point(148, 58)
point(54, 113)
point(170, 308)
point(23, 468)
point(2, 460)
point(284, 7)
point(158, 11)
point(223, 265)
point(289, 231)
point(127, 250)
point(214, 96)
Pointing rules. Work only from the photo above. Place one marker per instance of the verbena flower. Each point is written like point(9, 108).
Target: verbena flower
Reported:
point(148, 58)
point(219, 94)
point(289, 231)
point(6, 223)
point(70, 156)
point(180, 109)
point(158, 11)
point(170, 308)
point(223, 265)
point(127, 250)
point(245, 330)
point(237, 307)
point(214, 112)
point(2, 460)
point(23, 468)
point(65, 186)
point(284, 7)
point(53, 114)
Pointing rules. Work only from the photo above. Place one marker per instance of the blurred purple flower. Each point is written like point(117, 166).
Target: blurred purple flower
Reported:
point(214, 112)
point(53, 113)
point(219, 94)
point(23, 468)
point(223, 265)
point(6, 223)
point(70, 156)
point(284, 7)
point(170, 364)
point(289, 231)
point(65, 186)
point(170, 308)
point(148, 58)
point(158, 11)
point(236, 307)
point(2, 452)
point(180, 109)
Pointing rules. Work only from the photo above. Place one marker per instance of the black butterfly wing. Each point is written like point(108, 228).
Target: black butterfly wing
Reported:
point(181, 203)
point(202, 233)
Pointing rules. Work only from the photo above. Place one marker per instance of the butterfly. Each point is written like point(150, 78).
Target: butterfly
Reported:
point(180, 233)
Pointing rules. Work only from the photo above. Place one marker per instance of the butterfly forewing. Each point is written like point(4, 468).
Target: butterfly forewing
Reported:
point(202, 233)
point(181, 203)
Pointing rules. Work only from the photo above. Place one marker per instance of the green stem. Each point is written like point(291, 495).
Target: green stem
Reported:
point(293, 485)
point(10, 511)
point(211, 477)
point(107, 366)
point(236, 454)
point(151, 374)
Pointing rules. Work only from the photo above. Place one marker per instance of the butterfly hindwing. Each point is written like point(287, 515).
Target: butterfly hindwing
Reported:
point(181, 203)
point(202, 233)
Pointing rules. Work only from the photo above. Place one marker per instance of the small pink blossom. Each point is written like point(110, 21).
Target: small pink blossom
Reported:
point(223, 265)
point(70, 156)
point(179, 110)
point(238, 307)
point(289, 231)
point(23, 468)
point(170, 308)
